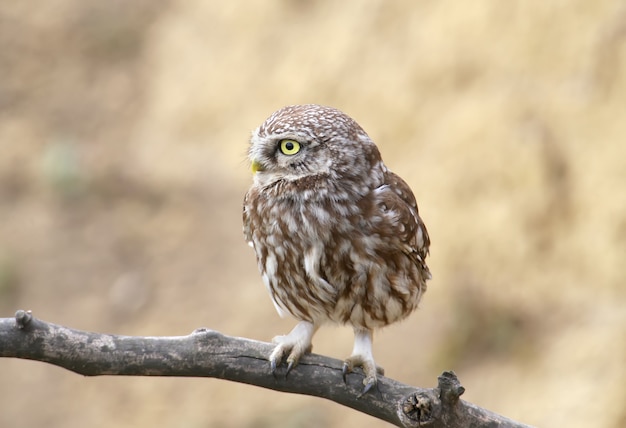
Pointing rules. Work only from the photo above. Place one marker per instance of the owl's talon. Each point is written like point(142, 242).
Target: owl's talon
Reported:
point(369, 383)
point(290, 366)
point(344, 371)
point(366, 389)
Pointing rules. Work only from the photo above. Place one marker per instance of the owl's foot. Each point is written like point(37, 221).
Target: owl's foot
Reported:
point(362, 357)
point(370, 369)
point(294, 345)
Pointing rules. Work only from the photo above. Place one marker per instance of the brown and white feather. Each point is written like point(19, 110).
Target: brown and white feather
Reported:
point(338, 237)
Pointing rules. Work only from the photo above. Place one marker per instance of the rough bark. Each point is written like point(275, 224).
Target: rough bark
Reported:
point(207, 353)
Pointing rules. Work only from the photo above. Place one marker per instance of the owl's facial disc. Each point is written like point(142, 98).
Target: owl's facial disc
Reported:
point(288, 155)
point(284, 156)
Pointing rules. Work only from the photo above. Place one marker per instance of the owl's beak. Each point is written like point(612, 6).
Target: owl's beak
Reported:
point(256, 167)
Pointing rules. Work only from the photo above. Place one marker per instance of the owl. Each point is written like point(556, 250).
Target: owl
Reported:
point(337, 236)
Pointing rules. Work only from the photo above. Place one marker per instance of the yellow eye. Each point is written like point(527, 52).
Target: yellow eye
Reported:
point(289, 147)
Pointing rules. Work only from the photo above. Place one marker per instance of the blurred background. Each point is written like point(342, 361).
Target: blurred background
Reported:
point(123, 132)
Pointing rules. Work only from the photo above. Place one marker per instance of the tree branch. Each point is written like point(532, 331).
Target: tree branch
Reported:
point(207, 353)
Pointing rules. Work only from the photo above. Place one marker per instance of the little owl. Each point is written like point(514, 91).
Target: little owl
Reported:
point(337, 236)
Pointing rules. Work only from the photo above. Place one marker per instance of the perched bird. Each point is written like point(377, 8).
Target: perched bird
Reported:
point(337, 236)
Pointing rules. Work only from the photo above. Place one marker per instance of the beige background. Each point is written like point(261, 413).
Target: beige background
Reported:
point(123, 130)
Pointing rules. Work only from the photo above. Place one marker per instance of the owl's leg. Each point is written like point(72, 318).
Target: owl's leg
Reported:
point(362, 357)
point(296, 343)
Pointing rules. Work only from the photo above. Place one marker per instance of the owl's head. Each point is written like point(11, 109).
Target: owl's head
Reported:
point(311, 141)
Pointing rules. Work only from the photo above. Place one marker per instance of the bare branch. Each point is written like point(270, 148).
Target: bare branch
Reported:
point(207, 353)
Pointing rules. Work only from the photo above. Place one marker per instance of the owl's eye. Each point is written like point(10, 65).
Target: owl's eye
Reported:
point(289, 147)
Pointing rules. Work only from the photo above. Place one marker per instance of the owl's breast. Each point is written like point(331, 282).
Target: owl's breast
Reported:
point(290, 237)
point(330, 259)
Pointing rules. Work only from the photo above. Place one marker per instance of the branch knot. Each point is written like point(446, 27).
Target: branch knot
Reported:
point(420, 409)
point(450, 388)
point(23, 318)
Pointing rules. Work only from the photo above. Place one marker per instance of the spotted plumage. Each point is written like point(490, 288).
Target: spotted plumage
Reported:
point(337, 236)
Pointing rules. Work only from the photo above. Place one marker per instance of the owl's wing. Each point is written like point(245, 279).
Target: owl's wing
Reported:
point(397, 203)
